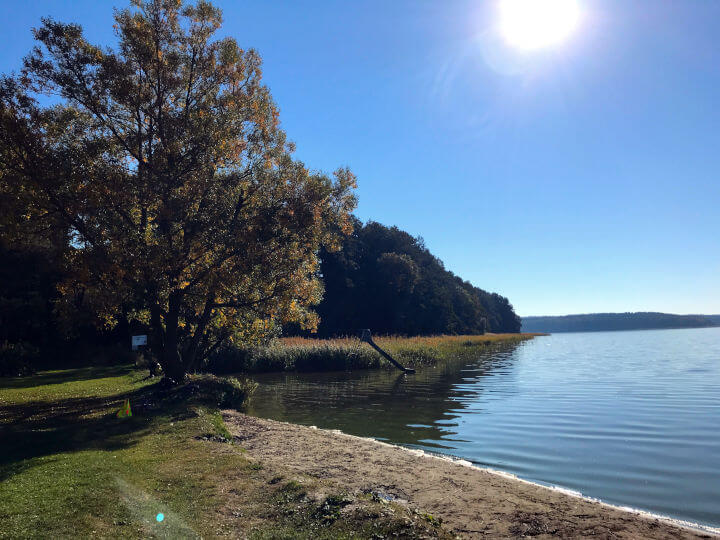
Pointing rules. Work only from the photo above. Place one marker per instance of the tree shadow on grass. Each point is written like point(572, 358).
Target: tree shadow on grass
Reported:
point(40, 428)
point(66, 375)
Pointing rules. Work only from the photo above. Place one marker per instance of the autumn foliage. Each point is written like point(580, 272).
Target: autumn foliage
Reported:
point(162, 167)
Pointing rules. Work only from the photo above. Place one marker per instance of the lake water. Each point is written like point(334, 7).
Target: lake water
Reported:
point(632, 418)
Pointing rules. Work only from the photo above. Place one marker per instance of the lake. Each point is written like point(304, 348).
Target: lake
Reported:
point(631, 418)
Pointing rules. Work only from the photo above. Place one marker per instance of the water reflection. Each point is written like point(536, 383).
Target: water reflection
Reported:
point(415, 410)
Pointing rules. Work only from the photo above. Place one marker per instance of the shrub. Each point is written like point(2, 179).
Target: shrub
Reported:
point(224, 392)
point(88, 354)
point(144, 360)
point(17, 359)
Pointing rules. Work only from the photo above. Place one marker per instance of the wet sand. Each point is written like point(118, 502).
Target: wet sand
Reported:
point(472, 502)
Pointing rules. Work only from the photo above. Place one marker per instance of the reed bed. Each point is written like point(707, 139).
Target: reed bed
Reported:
point(342, 354)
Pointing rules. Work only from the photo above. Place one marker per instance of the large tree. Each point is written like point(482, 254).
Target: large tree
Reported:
point(163, 163)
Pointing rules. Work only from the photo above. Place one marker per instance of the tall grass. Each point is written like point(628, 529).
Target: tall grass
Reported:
point(302, 354)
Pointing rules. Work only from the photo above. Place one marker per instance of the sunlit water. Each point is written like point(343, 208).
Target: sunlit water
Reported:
point(632, 418)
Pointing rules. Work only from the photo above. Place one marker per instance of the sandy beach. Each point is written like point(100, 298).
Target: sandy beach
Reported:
point(471, 502)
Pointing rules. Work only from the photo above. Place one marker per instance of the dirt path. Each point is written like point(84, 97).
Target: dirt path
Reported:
point(471, 502)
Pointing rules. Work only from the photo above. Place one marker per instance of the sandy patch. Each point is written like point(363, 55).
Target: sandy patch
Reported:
point(472, 502)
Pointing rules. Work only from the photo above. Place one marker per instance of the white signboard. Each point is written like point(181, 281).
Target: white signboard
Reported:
point(137, 341)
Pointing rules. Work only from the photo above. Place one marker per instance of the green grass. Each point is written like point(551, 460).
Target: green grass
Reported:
point(72, 467)
point(72, 383)
point(300, 354)
point(221, 430)
point(69, 468)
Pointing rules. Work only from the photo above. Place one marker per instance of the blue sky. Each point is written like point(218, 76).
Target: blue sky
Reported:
point(575, 179)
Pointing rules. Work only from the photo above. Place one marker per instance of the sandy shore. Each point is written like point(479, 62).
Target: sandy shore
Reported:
point(472, 502)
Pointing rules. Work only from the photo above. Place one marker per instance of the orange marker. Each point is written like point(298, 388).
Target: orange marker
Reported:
point(125, 410)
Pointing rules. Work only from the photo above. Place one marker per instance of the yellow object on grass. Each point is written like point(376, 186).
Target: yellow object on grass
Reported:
point(125, 410)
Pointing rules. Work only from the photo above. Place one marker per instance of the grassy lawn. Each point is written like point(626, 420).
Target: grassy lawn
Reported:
point(69, 468)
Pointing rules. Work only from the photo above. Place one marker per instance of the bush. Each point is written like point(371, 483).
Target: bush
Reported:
point(145, 360)
point(224, 392)
point(88, 354)
point(18, 359)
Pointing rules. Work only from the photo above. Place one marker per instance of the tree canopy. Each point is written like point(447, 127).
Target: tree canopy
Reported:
point(162, 167)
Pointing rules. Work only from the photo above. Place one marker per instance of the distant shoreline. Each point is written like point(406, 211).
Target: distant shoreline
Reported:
point(613, 322)
point(622, 330)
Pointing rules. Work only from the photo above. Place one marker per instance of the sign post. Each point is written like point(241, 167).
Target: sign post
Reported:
point(138, 341)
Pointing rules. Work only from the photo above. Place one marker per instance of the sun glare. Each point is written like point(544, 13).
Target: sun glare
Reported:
point(534, 24)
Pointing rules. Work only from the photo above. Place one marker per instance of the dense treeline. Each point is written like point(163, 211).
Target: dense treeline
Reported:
point(37, 330)
point(599, 322)
point(387, 280)
point(383, 279)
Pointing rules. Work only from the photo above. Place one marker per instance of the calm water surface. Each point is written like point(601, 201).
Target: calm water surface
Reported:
point(632, 418)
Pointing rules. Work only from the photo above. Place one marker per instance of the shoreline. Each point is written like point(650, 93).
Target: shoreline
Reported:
point(692, 526)
point(469, 500)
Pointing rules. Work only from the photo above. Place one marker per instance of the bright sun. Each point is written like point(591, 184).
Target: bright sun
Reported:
point(533, 24)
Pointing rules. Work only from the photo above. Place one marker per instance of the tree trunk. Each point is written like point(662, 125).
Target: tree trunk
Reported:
point(166, 342)
point(191, 354)
point(171, 362)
